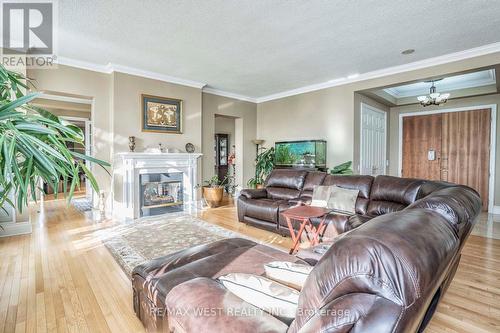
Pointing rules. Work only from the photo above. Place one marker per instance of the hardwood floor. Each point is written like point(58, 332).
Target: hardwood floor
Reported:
point(59, 279)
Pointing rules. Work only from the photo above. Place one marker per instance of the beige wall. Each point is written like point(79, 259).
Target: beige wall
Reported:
point(324, 114)
point(330, 113)
point(454, 103)
point(127, 113)
point(245, 127)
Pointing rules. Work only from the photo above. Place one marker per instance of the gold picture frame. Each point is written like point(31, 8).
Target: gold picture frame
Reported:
point(161, 114)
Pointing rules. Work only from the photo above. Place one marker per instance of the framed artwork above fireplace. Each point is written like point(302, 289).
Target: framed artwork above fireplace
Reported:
point(161, 114)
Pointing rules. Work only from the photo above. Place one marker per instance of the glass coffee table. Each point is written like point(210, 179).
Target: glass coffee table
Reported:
point(304, 215)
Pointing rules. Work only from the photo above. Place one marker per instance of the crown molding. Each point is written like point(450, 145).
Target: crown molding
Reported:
point(155, 76)
point(110, 68)
point(91, 66)
point(229, 94)
point(440, 60)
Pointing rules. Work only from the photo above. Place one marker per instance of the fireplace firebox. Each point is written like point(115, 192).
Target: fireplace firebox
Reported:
point(161, 193)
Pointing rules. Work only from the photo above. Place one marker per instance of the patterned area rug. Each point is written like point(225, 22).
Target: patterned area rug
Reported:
point(132, 243)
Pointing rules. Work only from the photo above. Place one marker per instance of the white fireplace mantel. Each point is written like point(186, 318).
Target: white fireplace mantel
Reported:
point(128, 167)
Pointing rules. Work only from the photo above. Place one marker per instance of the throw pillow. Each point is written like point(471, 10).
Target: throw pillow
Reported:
point(289, 273)
point(268, 295)
point(343, 199)
point(320, 196)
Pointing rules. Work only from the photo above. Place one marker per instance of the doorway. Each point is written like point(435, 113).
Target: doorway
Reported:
point(226, 142)
point(373, 152)
point(76, 110)
point(450, 145)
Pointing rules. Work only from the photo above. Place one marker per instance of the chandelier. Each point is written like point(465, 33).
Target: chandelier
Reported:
point(434, 97)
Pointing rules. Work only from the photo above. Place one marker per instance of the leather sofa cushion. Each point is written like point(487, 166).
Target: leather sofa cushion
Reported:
point(203, 293)
point(353, 182)
point(391, 194)
point(400, 190)
point(282, 193)
point(313, 178)
point(254, 193)
point(291, 179)
point(263, 209)
point(336, 224)
point(377, 207)
point(457, 204)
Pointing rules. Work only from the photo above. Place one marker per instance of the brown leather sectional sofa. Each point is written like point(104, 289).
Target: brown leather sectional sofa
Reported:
point(284, 188)
point(385, 272)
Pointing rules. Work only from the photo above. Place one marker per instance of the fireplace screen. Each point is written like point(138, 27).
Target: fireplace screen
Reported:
point(161, 193)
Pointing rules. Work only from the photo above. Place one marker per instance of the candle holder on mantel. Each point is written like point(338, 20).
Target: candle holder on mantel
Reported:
point(131, 143)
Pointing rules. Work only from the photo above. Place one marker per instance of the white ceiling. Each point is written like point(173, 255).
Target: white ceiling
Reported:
point(447, 84)
point(257, 48)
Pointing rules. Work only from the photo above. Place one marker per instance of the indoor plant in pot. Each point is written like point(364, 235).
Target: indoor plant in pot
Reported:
point(213, 191)
point(264, 164)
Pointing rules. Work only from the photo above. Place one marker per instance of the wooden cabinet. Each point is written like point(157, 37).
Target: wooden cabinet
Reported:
point(221, 154)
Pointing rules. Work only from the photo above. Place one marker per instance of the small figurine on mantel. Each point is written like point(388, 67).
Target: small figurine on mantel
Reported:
point(131, 143)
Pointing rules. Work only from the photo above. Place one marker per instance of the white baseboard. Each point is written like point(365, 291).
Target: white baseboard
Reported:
point(495, 210)
point(15, 228)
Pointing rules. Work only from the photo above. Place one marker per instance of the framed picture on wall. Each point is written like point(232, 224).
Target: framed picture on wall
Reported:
point(161, 114)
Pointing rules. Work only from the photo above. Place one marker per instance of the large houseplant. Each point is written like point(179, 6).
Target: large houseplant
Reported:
point(264, 164)
point(33, 146)
point(213, 191)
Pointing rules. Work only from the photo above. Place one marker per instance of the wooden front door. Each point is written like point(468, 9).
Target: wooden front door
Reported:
point(466, 150)
point(461, 145)
point(421, 135)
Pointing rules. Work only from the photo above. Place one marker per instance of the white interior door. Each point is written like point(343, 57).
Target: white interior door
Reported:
point(373, 141)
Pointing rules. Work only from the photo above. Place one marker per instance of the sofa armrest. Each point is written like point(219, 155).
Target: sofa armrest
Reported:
point(204, 305)
point(249, 193)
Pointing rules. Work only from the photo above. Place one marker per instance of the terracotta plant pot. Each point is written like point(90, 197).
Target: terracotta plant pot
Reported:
point(213, 196)
point(259, 186)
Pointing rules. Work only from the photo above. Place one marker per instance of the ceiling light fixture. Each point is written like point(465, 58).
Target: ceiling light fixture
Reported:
point(434, 97)
point(408, 51)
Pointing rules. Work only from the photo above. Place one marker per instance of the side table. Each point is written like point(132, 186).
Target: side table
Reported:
point(304, 215)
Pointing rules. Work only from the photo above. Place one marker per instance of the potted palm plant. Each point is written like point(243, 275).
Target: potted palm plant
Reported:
point(264, 164)
point(213, 191)
point(33, 146)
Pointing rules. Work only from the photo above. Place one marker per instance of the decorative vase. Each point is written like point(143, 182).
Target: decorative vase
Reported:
point(213, 196)
point(131, 143)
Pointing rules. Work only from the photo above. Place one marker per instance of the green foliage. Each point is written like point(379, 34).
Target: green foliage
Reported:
point(216, 182)
point(283, 155)
point(264, 164)
point(33, 146)
point(342, 169)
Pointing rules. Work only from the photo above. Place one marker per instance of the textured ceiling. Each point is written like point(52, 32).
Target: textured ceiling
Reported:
point(261, 47)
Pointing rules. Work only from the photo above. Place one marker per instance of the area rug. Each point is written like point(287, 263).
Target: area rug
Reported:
point(132, 243)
